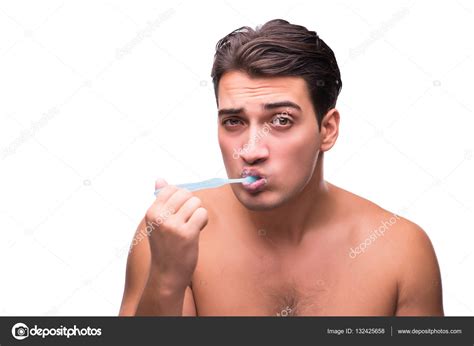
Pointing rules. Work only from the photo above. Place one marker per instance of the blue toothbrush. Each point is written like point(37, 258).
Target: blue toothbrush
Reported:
point(214, 182)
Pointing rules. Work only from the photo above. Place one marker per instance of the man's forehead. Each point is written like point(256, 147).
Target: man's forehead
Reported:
point(237, 87)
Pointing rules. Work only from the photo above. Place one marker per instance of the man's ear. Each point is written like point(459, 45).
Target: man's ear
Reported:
point(329, 129)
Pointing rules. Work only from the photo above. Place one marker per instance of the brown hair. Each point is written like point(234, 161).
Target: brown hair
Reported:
point(279, 48)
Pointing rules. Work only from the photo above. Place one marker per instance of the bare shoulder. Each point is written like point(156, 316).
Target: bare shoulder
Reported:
point(371, 217)
point(214, 200)
point(206, 196)
point(418, 274)
point(406, 251)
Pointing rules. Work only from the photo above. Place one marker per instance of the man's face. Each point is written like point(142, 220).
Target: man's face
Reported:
point(267, 127)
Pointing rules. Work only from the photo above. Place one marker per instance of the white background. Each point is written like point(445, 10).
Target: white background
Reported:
point(99, 98)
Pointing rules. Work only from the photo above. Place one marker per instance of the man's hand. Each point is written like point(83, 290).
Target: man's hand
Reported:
point(174, 222)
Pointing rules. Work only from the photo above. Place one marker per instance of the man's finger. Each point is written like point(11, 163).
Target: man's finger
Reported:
point(160, 182)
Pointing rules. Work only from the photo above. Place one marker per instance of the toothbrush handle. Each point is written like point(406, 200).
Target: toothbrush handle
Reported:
point(206, 184)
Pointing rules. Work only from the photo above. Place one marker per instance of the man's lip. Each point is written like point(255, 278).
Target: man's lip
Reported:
point(256, 185)
point(251, 172)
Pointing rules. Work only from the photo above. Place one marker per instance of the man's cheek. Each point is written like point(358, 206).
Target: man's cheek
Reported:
point(229, 151)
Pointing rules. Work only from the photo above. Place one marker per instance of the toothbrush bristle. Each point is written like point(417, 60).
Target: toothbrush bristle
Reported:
point(250, 179)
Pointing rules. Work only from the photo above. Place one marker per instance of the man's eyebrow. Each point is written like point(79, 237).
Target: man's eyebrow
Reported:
point(266, 106)
point(229, 111)
point(287, 104)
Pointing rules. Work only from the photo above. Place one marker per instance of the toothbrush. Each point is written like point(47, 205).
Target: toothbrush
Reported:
point(214, 182)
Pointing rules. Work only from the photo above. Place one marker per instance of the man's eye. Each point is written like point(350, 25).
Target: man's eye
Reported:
point(282, 121)
point(233, 122)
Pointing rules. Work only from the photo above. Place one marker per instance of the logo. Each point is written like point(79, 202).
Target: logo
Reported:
point(20, 331)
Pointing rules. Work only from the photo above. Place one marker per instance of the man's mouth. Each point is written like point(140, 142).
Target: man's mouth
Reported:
point(257, 185)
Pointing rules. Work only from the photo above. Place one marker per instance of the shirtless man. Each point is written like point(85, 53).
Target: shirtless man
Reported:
point(290, 244)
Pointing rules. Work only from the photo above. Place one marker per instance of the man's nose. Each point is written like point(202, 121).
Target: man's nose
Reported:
point(256, 149)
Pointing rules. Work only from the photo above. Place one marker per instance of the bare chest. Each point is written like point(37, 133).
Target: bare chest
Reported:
point(240, 280)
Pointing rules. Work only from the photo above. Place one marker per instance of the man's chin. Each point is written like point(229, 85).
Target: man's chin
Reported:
point(258, 206)
point(260, 201)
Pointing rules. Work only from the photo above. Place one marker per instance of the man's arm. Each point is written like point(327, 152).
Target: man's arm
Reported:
point(142, 287)
point(419, 286)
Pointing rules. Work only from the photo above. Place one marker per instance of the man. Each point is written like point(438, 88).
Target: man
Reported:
point(290, 243)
